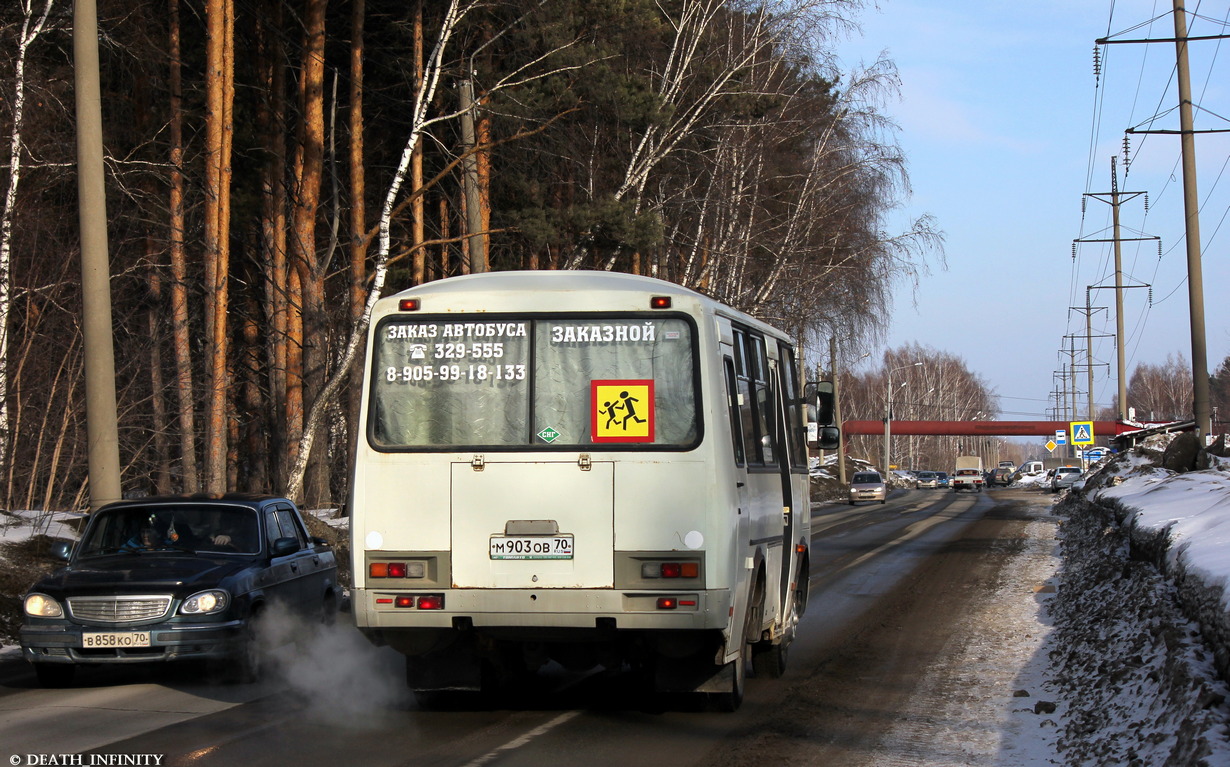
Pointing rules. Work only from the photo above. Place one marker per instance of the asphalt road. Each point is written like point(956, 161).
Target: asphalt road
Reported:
point(888, 583)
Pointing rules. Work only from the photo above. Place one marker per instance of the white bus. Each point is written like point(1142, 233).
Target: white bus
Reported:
point(586, 467)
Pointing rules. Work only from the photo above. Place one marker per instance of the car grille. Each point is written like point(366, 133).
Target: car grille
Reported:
point(119, 609)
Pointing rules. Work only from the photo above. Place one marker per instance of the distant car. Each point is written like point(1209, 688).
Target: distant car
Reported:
point(172, 578)
point(942, 479)
point(927, 479)
point(1064, 477)
point(967, 479)
point(867, 486)
point(1002, 476)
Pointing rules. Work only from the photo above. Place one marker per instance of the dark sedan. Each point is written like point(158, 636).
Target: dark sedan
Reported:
point(175, 578)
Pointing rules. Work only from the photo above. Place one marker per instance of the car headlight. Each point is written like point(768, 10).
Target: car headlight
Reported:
point(43, 606)
point(206, 602)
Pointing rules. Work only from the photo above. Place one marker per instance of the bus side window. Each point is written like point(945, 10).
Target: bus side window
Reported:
point(796, 430)
point(732, 407)
point(747, 408)
point(766, 417)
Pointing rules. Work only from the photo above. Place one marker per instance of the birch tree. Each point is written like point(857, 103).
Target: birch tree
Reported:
point(32, 25)
point(397, 199)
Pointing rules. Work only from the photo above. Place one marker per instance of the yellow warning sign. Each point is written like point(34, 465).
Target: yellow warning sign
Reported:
point(622, 411)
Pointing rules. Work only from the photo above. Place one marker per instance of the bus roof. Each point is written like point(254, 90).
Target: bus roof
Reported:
point(574, 290)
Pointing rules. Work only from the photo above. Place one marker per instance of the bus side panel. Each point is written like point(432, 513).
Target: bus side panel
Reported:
point(412, 513)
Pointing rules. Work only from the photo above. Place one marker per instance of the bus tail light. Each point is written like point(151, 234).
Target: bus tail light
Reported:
point(416, 601)
point(431, 602)
point(408, 305)
point(667, 603)
point(670, 570)
point(397, 570)
point(660, 302)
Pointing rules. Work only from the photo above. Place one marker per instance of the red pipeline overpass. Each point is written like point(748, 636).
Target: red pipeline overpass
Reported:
point(984, 428)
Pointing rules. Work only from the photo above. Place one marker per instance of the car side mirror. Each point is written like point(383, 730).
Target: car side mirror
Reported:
point(60, 550)
point(283, 546)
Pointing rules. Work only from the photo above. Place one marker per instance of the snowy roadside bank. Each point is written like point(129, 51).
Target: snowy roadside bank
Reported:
point(1109, 668)
point(1140, 614)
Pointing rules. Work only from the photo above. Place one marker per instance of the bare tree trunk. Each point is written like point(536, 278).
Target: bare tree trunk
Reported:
point(309, 167)
point(358, 206)
point(219, 15)
point(271, 119)
point(180, 332)
point(419, 271)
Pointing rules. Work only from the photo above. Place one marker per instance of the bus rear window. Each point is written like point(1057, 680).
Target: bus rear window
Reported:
point(542, 382)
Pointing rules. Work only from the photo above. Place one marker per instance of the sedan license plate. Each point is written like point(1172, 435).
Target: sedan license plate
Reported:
point(109, 639)
point(531, 547)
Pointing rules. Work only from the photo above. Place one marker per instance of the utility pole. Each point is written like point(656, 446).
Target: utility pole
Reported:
point(102, 430)
point(841, 433)
point(1191, 209)
point(1116, 198)
point(1089, 311)
point(476, 237)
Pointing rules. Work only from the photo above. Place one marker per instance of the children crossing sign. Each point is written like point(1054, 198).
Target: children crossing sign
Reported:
point(1082, 432)
point(622, 411)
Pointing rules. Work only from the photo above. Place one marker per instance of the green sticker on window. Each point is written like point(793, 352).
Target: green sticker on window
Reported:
point(548, 435)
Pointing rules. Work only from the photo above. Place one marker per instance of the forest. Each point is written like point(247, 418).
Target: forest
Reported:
point(272, 168)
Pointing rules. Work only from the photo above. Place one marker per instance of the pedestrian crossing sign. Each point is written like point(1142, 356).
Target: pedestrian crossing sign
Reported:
point(1082, 432)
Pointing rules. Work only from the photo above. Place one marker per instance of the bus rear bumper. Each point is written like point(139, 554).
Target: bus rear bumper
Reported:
point(605, 609)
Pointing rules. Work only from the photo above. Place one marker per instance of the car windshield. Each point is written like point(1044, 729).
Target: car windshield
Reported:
point(863, 479)
point(517, 382)
point(925, 475)
point(188, 527)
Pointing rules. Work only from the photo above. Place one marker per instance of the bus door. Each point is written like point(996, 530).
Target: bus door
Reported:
point(733, 397)
point(758, 421)
point(794, 473)
point(790, 507)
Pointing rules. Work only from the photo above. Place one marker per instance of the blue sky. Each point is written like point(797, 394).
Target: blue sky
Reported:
point(1005, 130)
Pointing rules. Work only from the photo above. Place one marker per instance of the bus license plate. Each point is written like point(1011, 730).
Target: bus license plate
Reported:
point(106, 639)
point(531, 547)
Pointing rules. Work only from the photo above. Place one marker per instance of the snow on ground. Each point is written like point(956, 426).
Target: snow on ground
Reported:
point(1082, 657)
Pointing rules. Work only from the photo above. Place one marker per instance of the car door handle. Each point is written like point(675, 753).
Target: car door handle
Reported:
point(294, 566)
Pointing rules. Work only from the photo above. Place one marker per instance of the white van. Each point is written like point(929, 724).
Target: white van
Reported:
point(1031, 468)
point(587, 467)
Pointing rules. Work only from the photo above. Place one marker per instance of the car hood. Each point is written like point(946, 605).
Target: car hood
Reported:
point(139, 573)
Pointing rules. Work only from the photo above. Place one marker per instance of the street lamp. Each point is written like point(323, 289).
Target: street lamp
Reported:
point(888, 413)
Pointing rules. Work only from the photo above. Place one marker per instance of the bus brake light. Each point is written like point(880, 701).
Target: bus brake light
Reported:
point(431, 602)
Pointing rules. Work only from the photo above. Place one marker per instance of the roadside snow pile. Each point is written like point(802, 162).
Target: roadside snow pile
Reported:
point(1137, 678)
